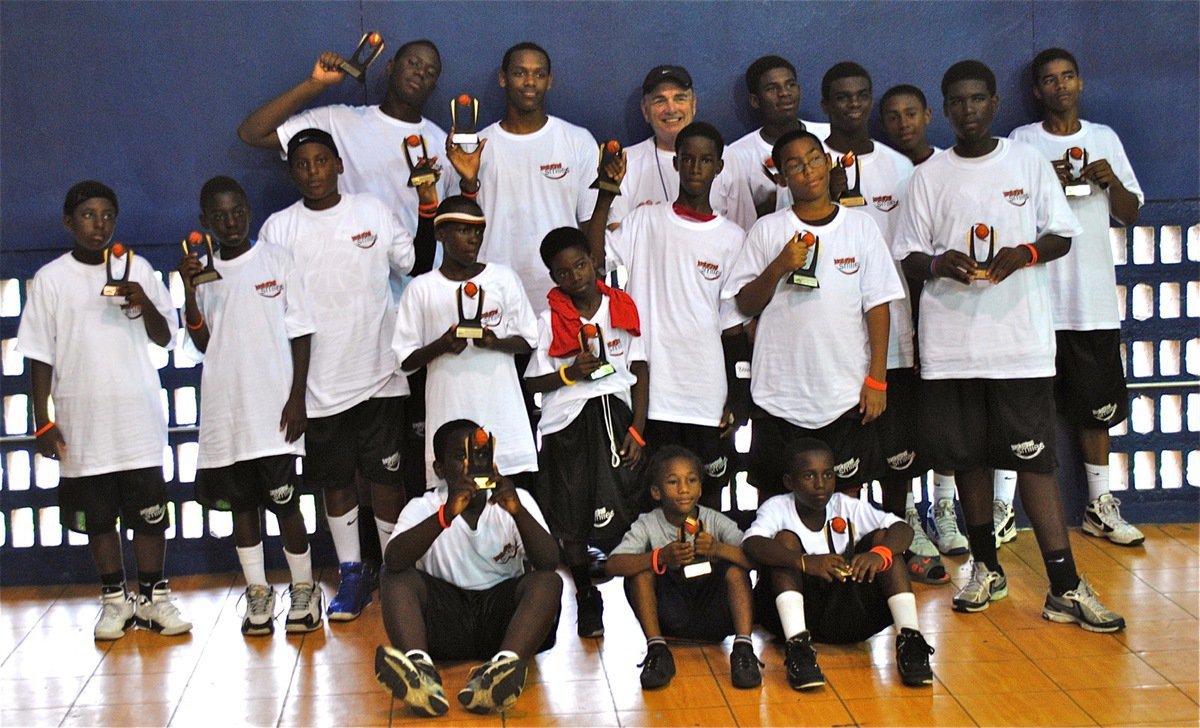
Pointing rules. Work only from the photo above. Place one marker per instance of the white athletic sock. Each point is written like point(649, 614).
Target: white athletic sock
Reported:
point(1097, 480)
point(300, 565)
point(910, 500)
point(253, 564)
point(385, 533)
point(791, 613)
point(1004, 485)
point(943, 487)
point(344, 530)
point(903, 607)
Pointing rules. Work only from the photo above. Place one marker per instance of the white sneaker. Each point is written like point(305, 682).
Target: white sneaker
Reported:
point(1102, 518)
point(921, 545)
point(116, 615)
point(159, 613)
point(1004, 522)
point(306, 610)
point(943, 528)
point(260, 610)
point(984, 587)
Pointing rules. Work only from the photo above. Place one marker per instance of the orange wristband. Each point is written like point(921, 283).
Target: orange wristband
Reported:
point(45, 428)
point(656, 562)
point(442, 517)
point(884, 553)
point(873, 383)
point(199, 324)
point(1032, 253)
point(637, 436)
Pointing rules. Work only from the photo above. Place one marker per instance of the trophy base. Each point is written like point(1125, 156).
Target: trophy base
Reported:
point(979, 274)
point(419, 179)
point(484, 482)
point(1077, 190)
point(696, 569)
point(467, 331)
point(111, 289)
point(606, 185)
point(354, 72)
point(205, 276)
point(604, 371)
point(464, 139)
point(852, 201)
point(804, 280)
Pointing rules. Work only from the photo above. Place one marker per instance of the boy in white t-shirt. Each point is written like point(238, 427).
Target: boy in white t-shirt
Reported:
point(534, 174)
point(827, 564)
point(590, 368)
point(977, 221)
point(346, 247)
point(819, 278)
point(476, 377)
point(678, 258)
point(1089, 387)
point(89, 351)
point(254, 330)
point(775, 93)
point(459, 586)
point(905, 116)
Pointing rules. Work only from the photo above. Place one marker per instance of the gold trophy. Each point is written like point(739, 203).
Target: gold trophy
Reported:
point(464, 117)
point(608, 153)
point(480, 452)
point(806, 275)
point(470, 328)
point(420, 171)
point(1076, 158)
point(192, 244)
point(356, 67)
point(981, 232)
point(113, 286)
point(852, 197)
point(700, 566)
point(587, 334)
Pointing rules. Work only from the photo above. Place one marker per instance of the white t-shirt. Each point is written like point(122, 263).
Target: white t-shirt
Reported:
point(651, 179)
point(753, 153)
point(478, 558)
point(530, 185)
point(811, 350)
point(105, 389)
point(253, 312)
point(778, 514)
point(478, 384)
point(980, 330)
point(1083, 282)
point(345, 255)
point(677, 271)
point(372, 146)
point(561, 406)
point(652, 531)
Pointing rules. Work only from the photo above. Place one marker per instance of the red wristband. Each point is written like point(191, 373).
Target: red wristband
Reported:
point(442, 517)
point(199, 324)
point(884, 553)
point(873, 383)
point(637, 437)
point(656, 562)
point(1033, 254)
point(44, 429)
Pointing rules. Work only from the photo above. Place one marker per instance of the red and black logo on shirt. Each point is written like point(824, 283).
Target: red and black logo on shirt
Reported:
point(268, 289)
point(555, 170)
point(365, 239)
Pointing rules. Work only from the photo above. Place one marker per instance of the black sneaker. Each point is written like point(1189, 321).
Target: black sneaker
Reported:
point(590, 613)
point(743, 666)
point(912, 658)
point(494, 686)
point(803, 672)
point(416, 682)
point(658, 668)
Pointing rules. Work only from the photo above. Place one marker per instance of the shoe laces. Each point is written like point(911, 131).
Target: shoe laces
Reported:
point(919, 537)
point(944, 517)
point(256, 604)
point(1108, 509)
point(743, 658)
point(798, 648)
point(981, 575)
point(301, 596)
point(111, 608)
point(1090, 598)
point(654, 655)
point(912, 645)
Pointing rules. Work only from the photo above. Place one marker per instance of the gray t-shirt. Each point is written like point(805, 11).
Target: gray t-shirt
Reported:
point(652, 530)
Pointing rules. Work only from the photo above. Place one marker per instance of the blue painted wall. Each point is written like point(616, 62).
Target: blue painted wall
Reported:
point(147, 96)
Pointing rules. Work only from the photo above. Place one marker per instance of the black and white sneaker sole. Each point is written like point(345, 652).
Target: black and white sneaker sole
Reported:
point(403, 680)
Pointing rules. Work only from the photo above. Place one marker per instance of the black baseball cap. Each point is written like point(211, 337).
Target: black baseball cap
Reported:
point(307, 136)
point(658, 74)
